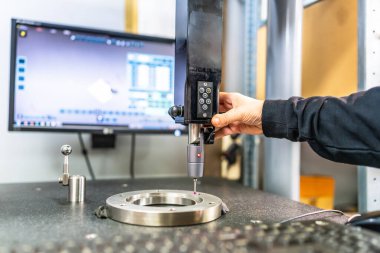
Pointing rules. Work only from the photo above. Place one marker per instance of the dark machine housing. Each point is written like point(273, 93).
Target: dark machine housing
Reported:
point(199, 29)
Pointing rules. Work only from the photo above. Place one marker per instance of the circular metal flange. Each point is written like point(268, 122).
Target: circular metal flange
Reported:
point(163, 207)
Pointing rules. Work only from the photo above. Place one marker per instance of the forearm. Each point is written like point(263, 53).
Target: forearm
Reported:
point(340, 129)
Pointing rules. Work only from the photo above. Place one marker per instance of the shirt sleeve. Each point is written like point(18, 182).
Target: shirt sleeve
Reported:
point(345, 129)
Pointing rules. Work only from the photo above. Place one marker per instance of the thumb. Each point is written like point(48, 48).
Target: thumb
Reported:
point(222, 120)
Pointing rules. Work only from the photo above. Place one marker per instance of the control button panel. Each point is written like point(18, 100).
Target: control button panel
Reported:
point(205, 98)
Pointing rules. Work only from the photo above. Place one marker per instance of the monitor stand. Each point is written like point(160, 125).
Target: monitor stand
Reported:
point(109, 141)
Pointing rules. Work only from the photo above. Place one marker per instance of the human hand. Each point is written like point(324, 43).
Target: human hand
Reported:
point(240, 114)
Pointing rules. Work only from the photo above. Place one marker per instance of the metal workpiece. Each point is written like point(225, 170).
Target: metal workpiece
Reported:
point(77, 188)
point(66, 151)
point(76, 183)
point(164, 207)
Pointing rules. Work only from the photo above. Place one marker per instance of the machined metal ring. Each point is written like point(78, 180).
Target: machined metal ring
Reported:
point(164, 207)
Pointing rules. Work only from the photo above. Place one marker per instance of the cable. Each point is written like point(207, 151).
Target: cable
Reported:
point(312, 213)
point(353, 216)
point(85, 154)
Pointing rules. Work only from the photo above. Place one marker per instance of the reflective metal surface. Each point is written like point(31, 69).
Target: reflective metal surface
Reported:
point(164, 207)
point(66, 151)
point(77, 188)
point(194, 132)
point(76, 183)
point(368, 77)
point(283, 80)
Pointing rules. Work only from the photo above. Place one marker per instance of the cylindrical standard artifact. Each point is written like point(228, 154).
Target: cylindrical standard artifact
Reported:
point(77, 188)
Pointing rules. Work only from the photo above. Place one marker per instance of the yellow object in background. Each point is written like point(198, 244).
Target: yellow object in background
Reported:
point(330, 48)
point(317, 191)
point(131, 16)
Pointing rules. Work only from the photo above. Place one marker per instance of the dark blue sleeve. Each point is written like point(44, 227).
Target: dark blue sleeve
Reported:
point(343, 129)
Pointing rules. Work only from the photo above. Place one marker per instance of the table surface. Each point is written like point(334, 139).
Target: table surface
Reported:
point(36, 213)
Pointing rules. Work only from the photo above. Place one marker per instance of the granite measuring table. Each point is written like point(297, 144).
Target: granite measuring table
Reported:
point(38, 213)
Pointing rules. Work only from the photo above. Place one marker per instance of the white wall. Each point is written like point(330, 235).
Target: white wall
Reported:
point(156, 17)
point(28, 157)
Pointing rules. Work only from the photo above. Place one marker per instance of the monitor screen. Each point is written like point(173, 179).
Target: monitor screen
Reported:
point(76, 79)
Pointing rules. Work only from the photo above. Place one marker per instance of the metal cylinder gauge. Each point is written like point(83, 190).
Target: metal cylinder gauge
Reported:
point(76, 183)
point(77, 188)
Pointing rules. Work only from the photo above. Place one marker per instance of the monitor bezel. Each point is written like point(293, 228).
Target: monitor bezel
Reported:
point(83, 128)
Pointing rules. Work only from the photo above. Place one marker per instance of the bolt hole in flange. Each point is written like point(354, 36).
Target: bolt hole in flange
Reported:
point(164, 207)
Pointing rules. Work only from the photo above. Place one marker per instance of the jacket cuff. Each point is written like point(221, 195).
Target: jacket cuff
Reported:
point(274, 118)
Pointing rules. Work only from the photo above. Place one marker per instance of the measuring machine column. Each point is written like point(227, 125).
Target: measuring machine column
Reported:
point(198, 64)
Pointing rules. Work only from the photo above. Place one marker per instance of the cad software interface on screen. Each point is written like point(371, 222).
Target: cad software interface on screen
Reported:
point(70, 79)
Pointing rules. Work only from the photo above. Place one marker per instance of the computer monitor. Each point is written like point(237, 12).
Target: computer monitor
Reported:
point(66, 78)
